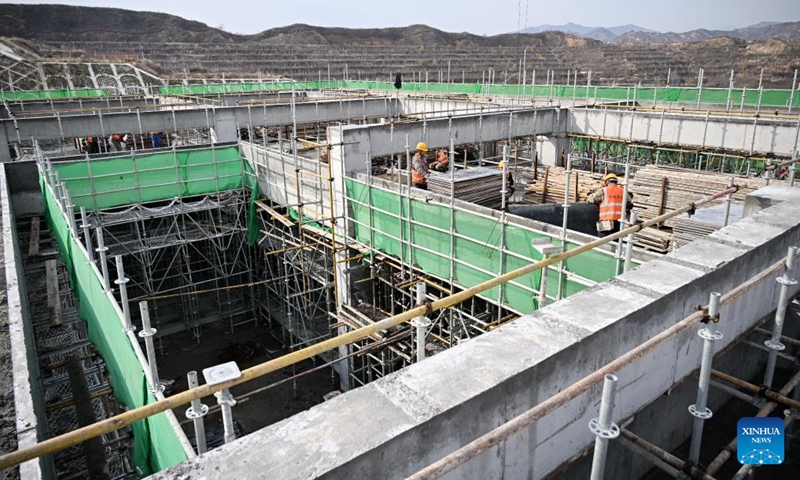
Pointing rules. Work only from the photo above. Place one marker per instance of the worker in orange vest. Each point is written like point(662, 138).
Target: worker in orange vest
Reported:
point(419, 167)
point(442, 161)
point(612, 206)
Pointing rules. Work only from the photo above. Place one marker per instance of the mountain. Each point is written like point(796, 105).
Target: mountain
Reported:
point(759, 31)
point(602, 34)
point(584, 31)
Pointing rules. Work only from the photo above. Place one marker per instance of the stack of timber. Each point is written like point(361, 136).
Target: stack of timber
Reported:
point(704, 222)
point(653, 239)
point(479, 185)
point(659, 190)
point(550, 183)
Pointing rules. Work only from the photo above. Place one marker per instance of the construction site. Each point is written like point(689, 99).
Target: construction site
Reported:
point(241, 278)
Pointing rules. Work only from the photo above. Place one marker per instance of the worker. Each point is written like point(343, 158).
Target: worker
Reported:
point(116, 142)
point(611, 205)
point(442, 161)
point(157, 139)
point(509, 179)
point(419, 167)
point(92, 146)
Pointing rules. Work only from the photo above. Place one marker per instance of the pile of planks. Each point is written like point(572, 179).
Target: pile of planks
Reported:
point(653, 239)
point(480, 185)
point(704, 222)
point(659, 190)
point(550, 184)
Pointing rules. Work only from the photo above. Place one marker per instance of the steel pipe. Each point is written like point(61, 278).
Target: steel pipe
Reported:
point(700, 410)
point(603, 428)
point(196, 412)
point(664, 456)
point(774, 343)
point(421, 323)
point(769, 394)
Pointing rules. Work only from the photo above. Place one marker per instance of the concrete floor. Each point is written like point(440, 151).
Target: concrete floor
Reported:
point(181, 354)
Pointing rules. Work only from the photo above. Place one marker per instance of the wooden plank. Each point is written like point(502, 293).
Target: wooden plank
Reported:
point(33, 245)
point(53, 295)
point(274, 214)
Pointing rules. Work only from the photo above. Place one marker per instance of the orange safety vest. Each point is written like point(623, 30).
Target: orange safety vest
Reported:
point(417, 177)
point(612, 205)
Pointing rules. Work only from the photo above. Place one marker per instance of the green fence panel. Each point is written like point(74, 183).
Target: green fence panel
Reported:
point(156, 446)
point(25, 95)
point(474, 247)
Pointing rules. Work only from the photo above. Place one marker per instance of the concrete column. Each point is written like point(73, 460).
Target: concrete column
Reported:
point(225, 126)
point(5, 152)
point(551, 150)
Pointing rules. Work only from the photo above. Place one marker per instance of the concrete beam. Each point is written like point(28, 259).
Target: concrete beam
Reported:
point(750, 135)
point(390, 138)
point(396, 425)
point(224, 120)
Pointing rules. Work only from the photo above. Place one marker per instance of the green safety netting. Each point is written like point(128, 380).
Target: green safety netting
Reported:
point(122, 181)
point(714, 96)
point(20, 95)
point(475, 247)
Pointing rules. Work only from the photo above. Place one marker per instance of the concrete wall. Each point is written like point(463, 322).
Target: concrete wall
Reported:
point(28, 395)
point(399, 424)
point(762, 135)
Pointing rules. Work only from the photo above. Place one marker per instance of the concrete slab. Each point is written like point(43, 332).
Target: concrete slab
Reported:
point(769, 196)
point(661, 277)
point(706, 254)
point(596, 308)
point(748, 232)
point(783, 215)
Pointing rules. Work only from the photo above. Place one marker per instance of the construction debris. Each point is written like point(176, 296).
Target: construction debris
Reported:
point(481, 185)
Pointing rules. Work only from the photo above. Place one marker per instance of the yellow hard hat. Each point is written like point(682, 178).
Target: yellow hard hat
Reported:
point(422, 147)
point(609, 176)
point(501, 165)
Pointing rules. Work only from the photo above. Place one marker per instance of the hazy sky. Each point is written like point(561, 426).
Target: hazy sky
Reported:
point(480, 17)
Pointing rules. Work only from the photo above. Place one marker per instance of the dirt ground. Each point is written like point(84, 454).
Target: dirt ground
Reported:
point(248, 346)
point(8, 430)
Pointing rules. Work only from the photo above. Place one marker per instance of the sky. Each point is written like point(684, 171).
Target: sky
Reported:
point(484, 17)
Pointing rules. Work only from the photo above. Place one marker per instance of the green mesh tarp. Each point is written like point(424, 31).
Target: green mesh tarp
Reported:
point(100, 184)
point(156, 446)
point(123, 181)
point(19, 95)
point(713, 96)
point(475, 246)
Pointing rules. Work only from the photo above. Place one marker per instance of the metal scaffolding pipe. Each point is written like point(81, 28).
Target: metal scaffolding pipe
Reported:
point(196, 412)
point(603, 428)
point(226, 401)
point(699, 410)
point(664, 456)
point(108, 425)
point(730, 448)
point(421, 323)
point(629, 245)
point(102, 249)
point(147, 333)
point(774, 343)
point(728, 200)
point(767, 393)
point(122, 280)
point(87, 233)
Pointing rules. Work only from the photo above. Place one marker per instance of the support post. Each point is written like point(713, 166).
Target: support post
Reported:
point(102, 249)
point(700, 410)
point(603, 428)
point(728, 200)
point(226, 401)
point(147, 333)
point(87, 233)
point(774, 343)
point(123, 293)
point(545, 248)
point(421, 323)
point(629, 246)
point(196, 412)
